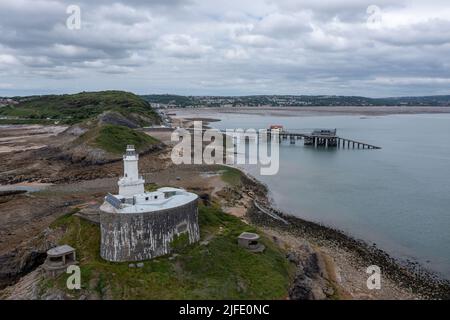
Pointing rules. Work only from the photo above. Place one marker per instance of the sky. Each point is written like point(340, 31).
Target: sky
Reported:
point(233, 47)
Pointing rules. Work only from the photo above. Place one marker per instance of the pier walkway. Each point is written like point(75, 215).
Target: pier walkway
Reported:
point(326, 138)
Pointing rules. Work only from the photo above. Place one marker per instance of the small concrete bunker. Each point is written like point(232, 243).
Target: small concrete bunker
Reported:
point(250, 241)
point(138, 225)
point(58, 259)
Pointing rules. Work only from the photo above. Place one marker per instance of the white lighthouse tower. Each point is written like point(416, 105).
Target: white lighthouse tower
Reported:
point(138, 225)
point(131, 183)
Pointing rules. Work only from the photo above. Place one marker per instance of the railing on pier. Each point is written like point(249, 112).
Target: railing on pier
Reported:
point(331, 140)
point(316, 140)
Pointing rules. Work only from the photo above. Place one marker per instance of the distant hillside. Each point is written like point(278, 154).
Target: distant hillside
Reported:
point(76, 108)
point(168, 100)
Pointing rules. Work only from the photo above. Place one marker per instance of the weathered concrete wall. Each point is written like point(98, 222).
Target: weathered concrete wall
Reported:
point(142, 236)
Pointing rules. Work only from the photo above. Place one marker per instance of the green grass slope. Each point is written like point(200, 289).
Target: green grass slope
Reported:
point(114, 139)
point(219, 269)
point(76, 108)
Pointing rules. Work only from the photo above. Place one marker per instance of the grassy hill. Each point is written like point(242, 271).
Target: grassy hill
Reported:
point(215, 268)
point(76, 108)
point(114, 138)
point(101, 123)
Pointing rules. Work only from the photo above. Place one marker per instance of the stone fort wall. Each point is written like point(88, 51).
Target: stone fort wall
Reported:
point(142, 236)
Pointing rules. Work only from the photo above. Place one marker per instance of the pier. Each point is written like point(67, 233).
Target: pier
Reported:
point(326, 138)
point(318, 138)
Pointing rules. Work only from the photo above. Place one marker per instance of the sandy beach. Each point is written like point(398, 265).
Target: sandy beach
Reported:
point(308, 111)
point(26, 137)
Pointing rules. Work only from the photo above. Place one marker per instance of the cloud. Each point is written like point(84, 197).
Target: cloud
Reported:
point(227, 47)
point(8, 60)
point(182, 46)
point(6, 85)
point(236, 54)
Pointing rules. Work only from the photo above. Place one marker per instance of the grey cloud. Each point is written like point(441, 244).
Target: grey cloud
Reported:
point(233, 47)
point(432, 32)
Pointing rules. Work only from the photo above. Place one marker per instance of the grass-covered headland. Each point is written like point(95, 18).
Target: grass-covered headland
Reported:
point(101, 123)
point(214, 268)
point(76, 108)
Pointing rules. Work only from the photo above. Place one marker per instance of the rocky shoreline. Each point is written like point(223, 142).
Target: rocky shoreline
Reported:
point(314, 278)
point(318, 244)
point(412, 276)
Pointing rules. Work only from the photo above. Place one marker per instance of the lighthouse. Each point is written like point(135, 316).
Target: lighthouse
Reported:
point(137, 225)
point(131, 183)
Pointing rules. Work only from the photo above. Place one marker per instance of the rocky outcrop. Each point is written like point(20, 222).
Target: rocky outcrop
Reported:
point(111, 117)
point(312, 279)
point(27, 288)
point(84, 153)
point(23, 259)
point(308, 285)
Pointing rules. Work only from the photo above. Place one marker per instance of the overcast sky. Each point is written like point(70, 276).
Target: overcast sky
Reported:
point(227, 47)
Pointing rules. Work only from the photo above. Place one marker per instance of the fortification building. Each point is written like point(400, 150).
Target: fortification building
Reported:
point(138, 225)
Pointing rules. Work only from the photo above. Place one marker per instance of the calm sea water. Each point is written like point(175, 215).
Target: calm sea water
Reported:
point(397, 197)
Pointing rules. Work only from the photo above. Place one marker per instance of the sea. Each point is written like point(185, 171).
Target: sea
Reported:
point(397, 198)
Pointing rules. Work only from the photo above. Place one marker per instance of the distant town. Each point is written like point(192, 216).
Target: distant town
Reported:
point(163, 101)
point(177, 101)
point(7, 101)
